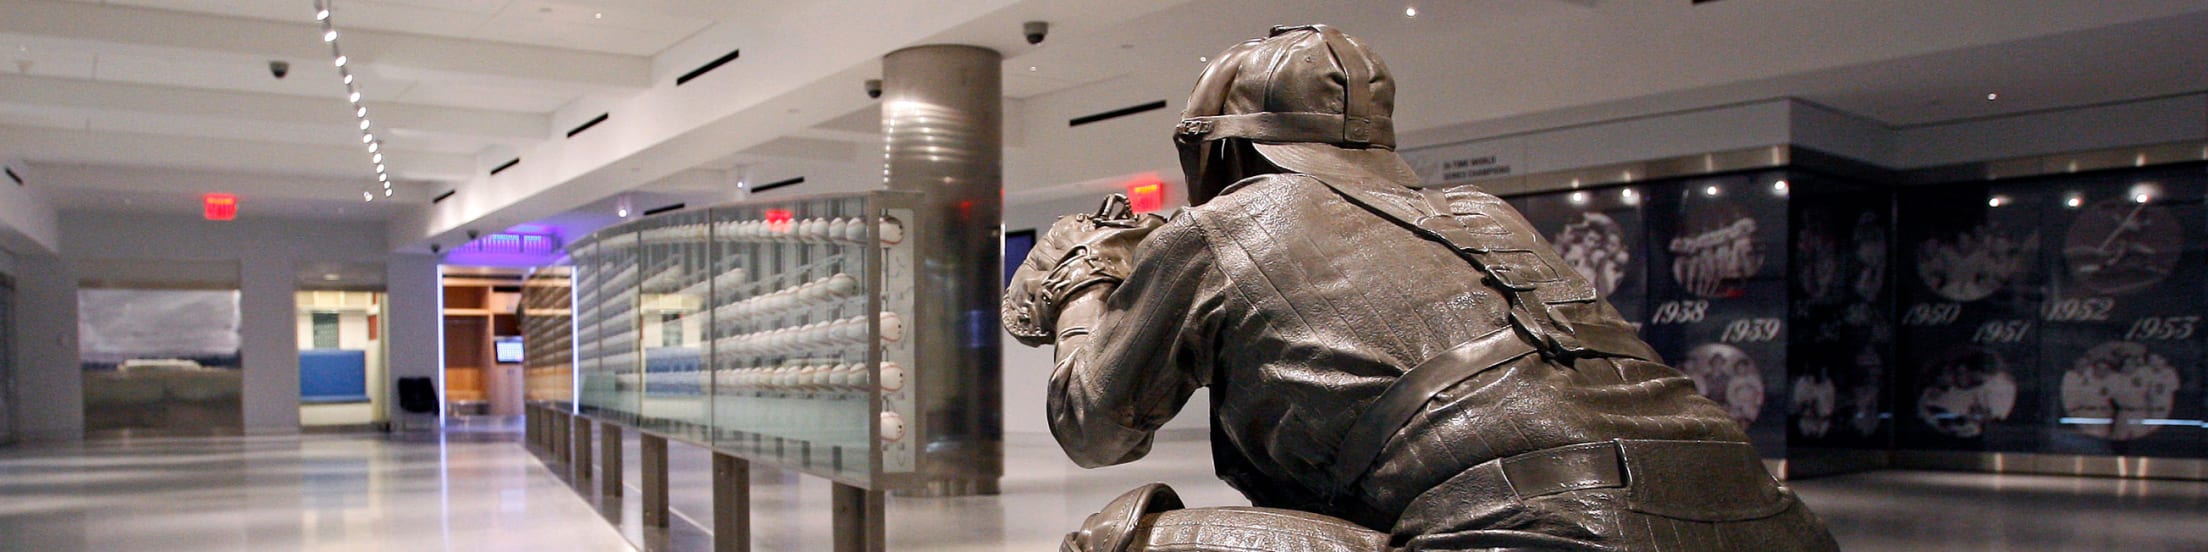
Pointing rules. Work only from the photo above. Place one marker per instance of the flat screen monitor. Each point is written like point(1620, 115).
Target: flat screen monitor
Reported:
point(508, 349)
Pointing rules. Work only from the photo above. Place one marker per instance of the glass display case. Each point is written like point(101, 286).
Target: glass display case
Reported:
point(773, 331)
point(548, 337)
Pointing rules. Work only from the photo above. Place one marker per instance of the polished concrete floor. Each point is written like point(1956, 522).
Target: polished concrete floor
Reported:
point(484, 492)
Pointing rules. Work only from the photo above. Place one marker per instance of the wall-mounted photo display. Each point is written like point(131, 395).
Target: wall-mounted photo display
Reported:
point(1603, 234)
point(1842, 329)
point(1718, 294)
point(2121, 355)
point(160, 361)
point(1969, 317)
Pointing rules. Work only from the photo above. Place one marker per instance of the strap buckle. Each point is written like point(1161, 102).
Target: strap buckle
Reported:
point(1197, 127)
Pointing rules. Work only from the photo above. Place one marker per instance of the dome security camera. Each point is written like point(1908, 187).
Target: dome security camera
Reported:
point(873, 88)
point(472, 234)
point(434, 248)
point(279, 68)
point(1036, 31)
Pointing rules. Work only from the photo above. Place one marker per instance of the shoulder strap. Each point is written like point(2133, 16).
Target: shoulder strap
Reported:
point(1549, 301)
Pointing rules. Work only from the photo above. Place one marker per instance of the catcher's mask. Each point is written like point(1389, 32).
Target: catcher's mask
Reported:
point(1309, 99)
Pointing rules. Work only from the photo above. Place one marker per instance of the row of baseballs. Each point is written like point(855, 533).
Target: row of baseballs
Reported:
point(810, 377)
point(848, 331)
point(838, 286)
point(811, 230)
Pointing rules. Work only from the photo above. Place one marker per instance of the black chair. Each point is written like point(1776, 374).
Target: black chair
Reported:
point(418, 395)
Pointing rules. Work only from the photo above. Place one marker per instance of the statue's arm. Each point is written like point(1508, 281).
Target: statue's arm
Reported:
point(1130, 354)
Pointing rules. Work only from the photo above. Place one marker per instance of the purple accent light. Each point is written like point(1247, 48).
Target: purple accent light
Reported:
point(508, 250)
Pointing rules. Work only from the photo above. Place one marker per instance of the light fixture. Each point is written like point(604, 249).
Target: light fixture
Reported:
point(2073, 200)
point(352, 94)
point(1710, 191)
point(1203, 59)
point(1991, 96)
point(1578, 198)
point(1410, 11)
point(1997, 201)
point(1629, 197)
point(598, 15)
point(1779, 187)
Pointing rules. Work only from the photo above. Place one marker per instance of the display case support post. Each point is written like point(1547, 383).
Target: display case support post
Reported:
point(858, 519)
point(609, 463)
point(652, 454)
point(731, 504)
point(560, 440)
point(580, 465)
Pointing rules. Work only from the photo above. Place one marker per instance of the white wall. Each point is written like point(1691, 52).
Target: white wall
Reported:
point(2144, 122)
point(27, 224)
point(266, 252)
point(413, 322)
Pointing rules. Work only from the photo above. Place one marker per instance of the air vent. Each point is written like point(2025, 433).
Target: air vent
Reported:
point(1116, 113)
point(441, 197)
point(503, 166)
point(586, 125)
point(12, 176)
point(708, 67)
point(777, 184)
point(658, 210)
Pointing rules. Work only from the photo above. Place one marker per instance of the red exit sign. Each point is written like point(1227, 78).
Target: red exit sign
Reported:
point(219, 206)
point(1146, 194)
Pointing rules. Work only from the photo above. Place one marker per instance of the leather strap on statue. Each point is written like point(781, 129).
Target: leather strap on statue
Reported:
point(1379, 422)
point(1549, 301)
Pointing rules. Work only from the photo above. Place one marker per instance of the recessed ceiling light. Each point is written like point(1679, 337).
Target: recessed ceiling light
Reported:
point(373, 145)
point(329, 36)
point(364, 124)
point(362, 111)
point(1203, 59)
point(379, 168)
point(598, 15)
point(377, 158)
point(386, 192)
point(367, 138)
point(1410, 11)
point(353, 97)
point(1991, 96)
point(367, 196)
point(331, 277)
point(1031, 69)
point(348, 78)
point(322, 15)
point(340, 61)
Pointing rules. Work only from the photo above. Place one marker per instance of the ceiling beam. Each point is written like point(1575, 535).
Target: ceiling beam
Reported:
point(248, 107)
point(53, 146)
point(131, 26)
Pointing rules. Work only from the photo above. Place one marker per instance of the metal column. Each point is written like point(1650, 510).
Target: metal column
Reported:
point(731, 504)
point(858, 519)
point(942, 113)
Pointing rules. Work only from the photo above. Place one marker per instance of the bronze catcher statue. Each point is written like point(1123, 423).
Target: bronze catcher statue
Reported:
point(1390, 368)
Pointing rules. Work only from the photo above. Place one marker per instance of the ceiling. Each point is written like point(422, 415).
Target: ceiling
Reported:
point(155, 101)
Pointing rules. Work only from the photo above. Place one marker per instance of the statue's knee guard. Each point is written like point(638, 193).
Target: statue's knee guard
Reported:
point(1151, 518)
